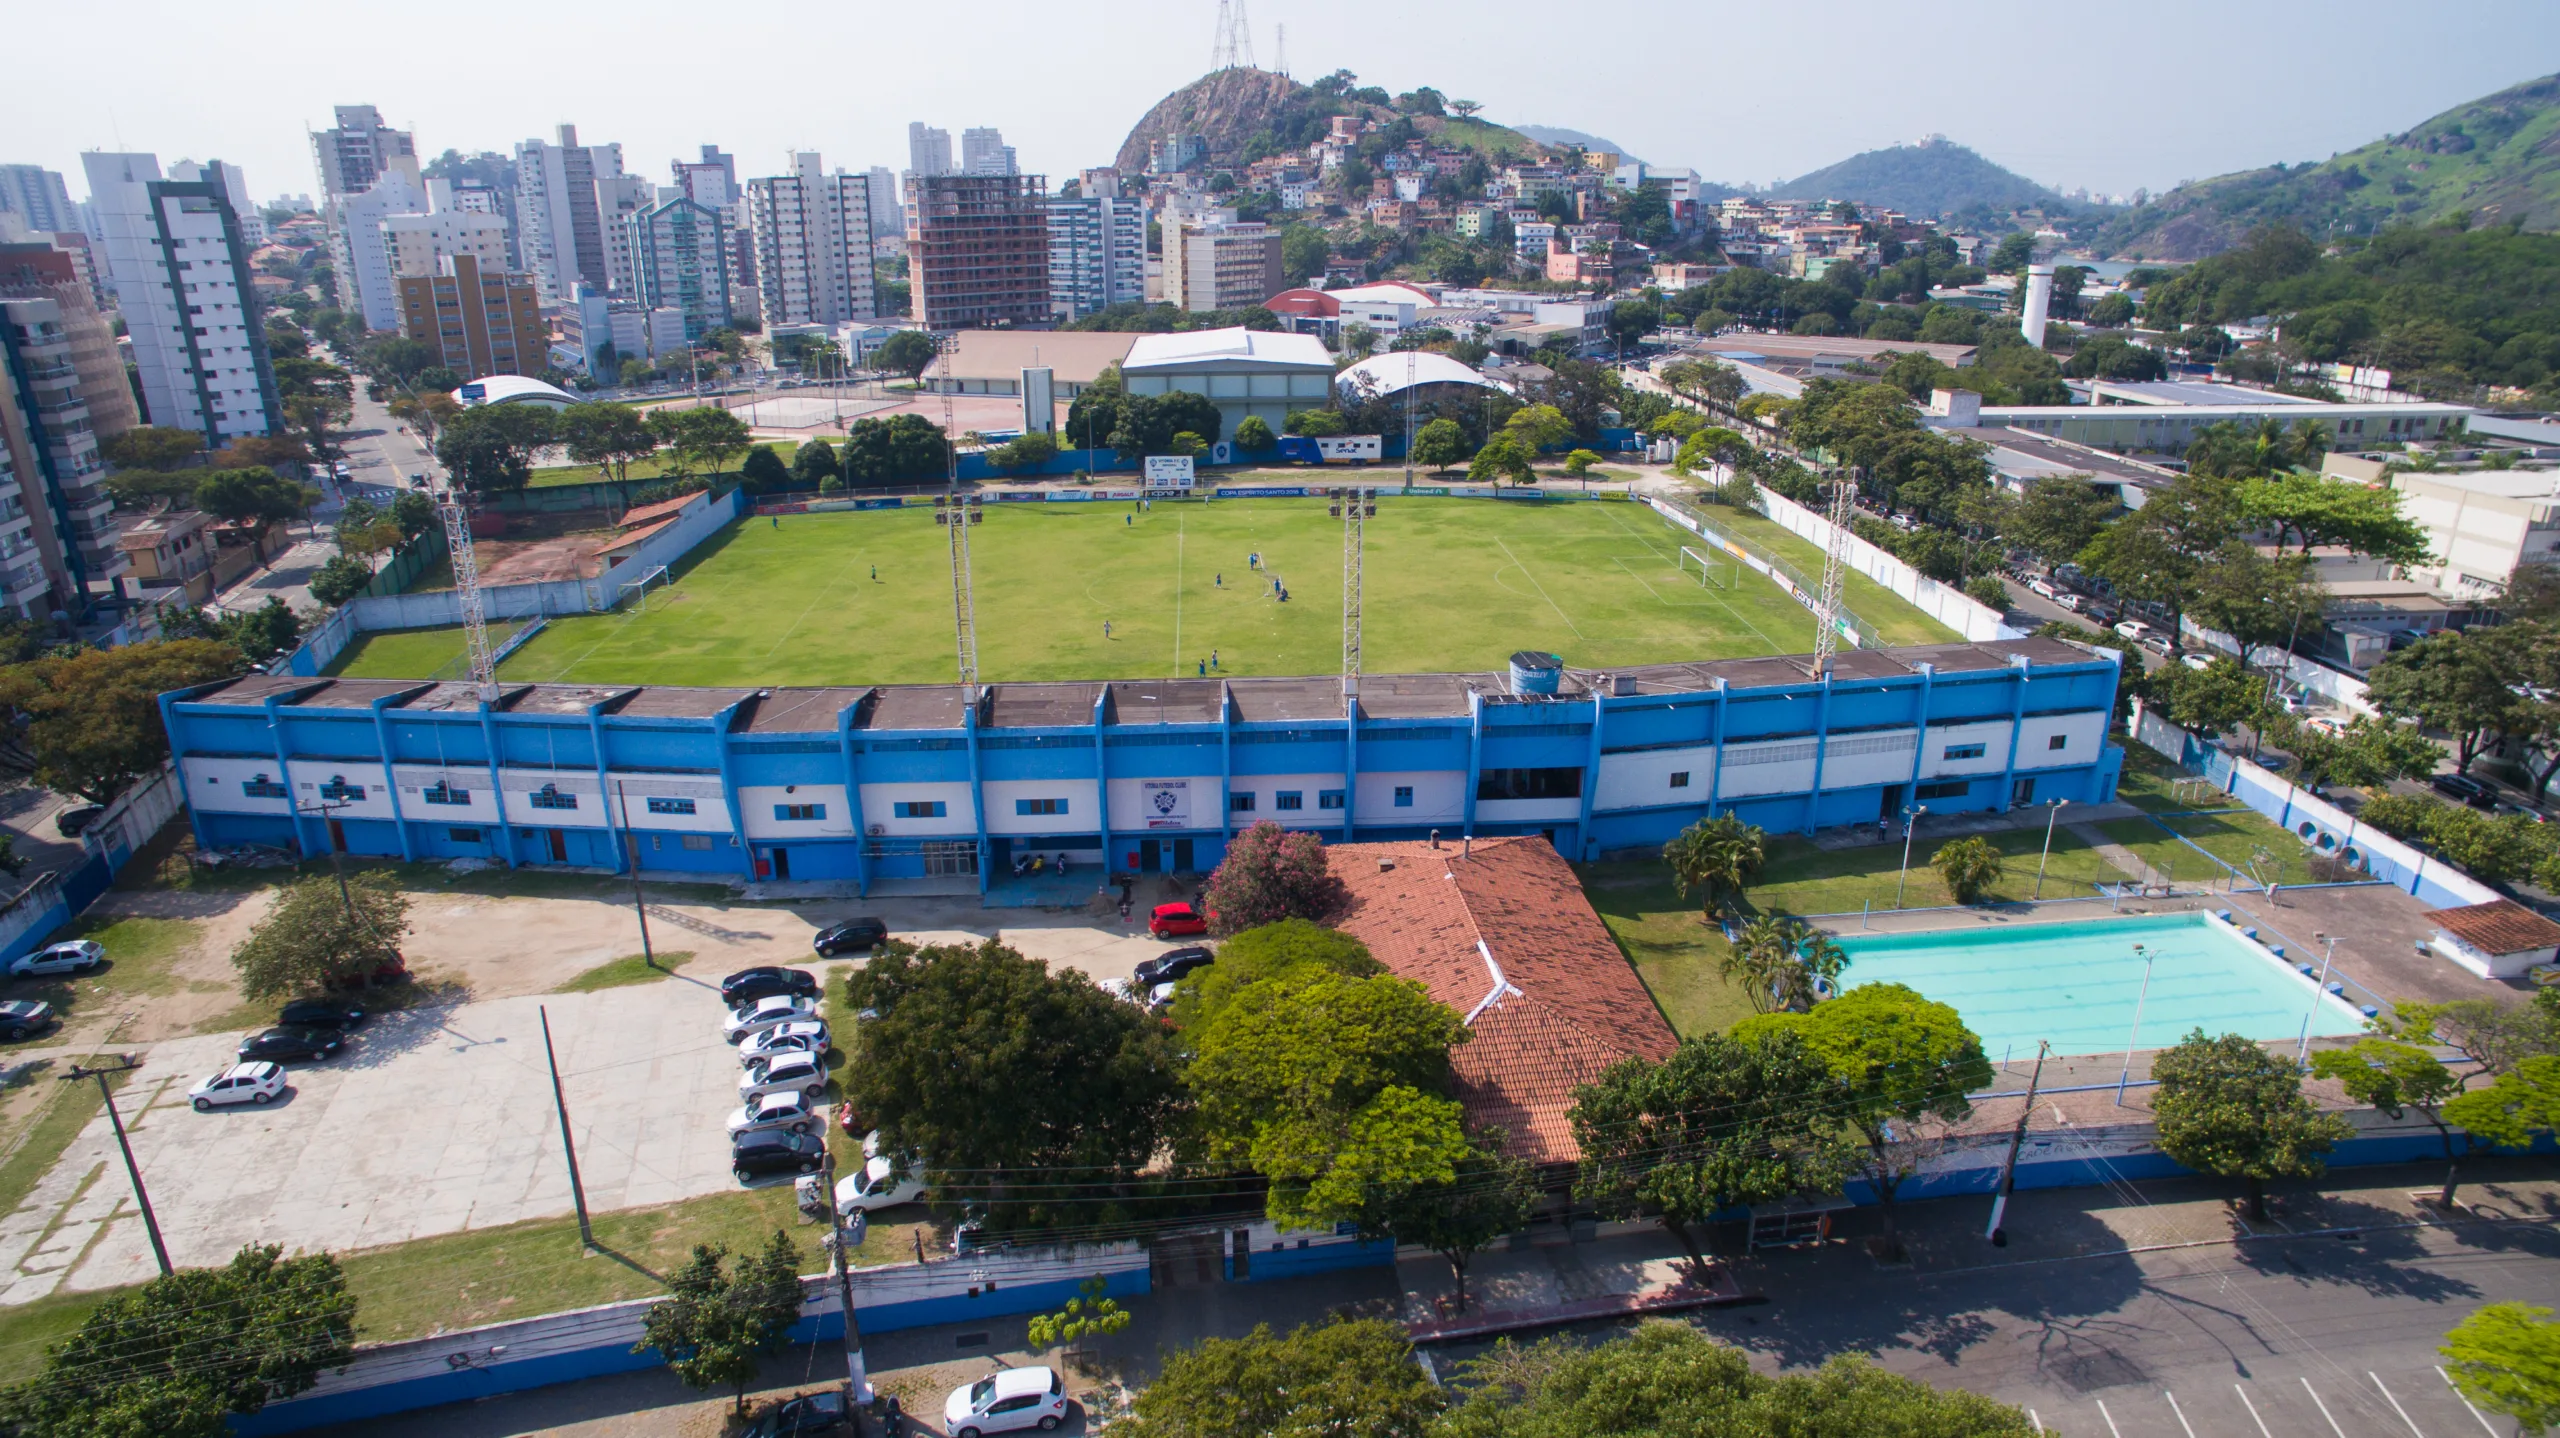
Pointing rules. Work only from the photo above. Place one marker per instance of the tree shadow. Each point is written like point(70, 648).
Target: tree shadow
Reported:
point(2377, 1262)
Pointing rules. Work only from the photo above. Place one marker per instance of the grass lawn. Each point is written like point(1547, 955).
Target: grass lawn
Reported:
point(1450, 585)
point(2150, 782)
point(625, 971)
point(1870, 601)
point(139, 955)
point(655, 466)
point(2238, 837)
point(1674, 952)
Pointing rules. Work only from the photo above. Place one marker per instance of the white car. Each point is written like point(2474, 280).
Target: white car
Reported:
point(877, 1184)
point(258, 1083)
point(76, 956)
point(1003, 1402)
point(2196, 661)
point(774, 1110)
point(765, 1014)
point(2133, 629)
point(801, 1073)
point(807, 1036)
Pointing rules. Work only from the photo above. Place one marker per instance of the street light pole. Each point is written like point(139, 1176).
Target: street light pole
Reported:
point(2051, 810)
point(2135, 1036)
point(856, 1369)
point(1910, 821)
point(568, 1145)
point(133, 1171)
point(2327, 960)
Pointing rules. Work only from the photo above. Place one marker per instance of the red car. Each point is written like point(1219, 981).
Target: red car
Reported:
point(1174, 920)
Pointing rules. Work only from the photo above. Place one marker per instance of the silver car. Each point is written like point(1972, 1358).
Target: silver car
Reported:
point(802, 1073)
point(807, 1036)
point(774, 1110)
point(767, 1013)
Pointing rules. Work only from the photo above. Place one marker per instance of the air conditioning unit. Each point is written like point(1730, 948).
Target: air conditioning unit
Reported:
point(877, 831)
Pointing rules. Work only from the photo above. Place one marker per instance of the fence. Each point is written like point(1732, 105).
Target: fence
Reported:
point(2345, 689)
point(512, 603)
point(2319, 824)
point(1949, 606)
point(408, 562)
point(55, 898)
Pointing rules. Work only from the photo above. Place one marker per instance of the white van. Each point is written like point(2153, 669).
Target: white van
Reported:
point(2043, 586)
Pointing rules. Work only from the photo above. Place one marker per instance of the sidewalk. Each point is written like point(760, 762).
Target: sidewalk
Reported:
point(1509, 1290)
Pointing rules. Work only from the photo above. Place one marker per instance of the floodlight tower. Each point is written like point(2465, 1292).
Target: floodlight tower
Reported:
point(1835, 573)
point(1353, 507)
point(466, 589)
point(1408, 416)
point(958, 514)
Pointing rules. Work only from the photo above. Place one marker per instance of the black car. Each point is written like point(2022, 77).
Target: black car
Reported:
point(2462, 786)
point(766, 981)
point(284, 1044)
point(774, 1150)
point(24, 1018)
point(320, 1014)
point(812, 1413)
point(72, 822)
point(852, 936)
point(1169, 967)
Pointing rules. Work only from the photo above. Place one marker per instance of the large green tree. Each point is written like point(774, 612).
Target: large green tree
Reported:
point(172, 1358)
point(702, 439)
point(317, 933)
point(2057, 516)
point(2157, 553)
point(1488, 1194)
point(489, 449)
point(2226, 1106)
point(1344, 1379)
point(152, 446)
point(1716, 857)
point(2453, 682)
point(2314, 510)
point(716, 1326)
point(259, 496)
point(905, 353)
point(1007, 1079)
point(88, 722)
point(1334, 1088)
point(1268, 951)
point(2396, 1077)
point(610, 435)
point(2505, 1357)
point(1722, 1122)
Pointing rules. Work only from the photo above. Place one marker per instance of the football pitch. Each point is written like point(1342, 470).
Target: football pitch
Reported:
point(1450, 584)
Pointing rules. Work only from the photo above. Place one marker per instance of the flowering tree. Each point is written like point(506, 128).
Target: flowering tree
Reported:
point(1270, 874)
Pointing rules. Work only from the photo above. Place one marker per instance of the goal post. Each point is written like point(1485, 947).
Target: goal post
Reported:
point(1713, 572)
point(633, 594)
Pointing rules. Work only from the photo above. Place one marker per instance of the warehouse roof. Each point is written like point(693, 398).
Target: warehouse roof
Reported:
point(1228, 348)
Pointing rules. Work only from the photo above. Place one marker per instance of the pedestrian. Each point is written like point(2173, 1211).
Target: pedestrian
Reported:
point(1128, 519)
point(777, 521)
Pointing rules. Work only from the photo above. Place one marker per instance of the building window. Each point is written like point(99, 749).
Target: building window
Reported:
point(1039, 806)
point(1553, 783)
point(697, 841)
point(671, 806)
point(441, 793)
point(1404, 796)
point(1964, 751)
point(550, 797)
point(2058, 741)
point(1239, 803)
point(338, 789)
point(259, 786)
point(1289, 799)
point(463, 836)
point(1941, 791)
point(1329, 799)
point(1679, 778)
point(920, 809)
point(803, 813)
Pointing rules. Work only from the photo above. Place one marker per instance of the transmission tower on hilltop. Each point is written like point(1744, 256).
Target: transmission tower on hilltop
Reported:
point(1232, 47)
point(1835, 573)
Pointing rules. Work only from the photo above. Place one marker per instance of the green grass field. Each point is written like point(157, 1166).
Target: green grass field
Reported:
point(1450, 585)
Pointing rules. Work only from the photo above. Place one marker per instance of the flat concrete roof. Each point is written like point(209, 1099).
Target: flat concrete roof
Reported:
point(796, 711)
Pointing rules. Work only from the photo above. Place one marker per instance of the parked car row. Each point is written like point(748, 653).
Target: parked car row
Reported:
point(1151, 984)
point(782, 1071)
point(306, 1031)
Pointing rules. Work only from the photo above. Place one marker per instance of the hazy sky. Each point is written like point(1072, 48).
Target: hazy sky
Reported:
point(2105, 97)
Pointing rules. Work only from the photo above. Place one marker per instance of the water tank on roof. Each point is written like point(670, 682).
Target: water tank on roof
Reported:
point(1535, 673)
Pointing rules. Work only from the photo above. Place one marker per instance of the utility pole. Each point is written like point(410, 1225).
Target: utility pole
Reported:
point(856, 1371)
point(639, 899)
point(115, 1120)
point(568, 1145)
point(1910, 821)
point(2017, 1139)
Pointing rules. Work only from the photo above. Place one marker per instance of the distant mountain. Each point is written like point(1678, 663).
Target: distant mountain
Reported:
point(1558, 135)
point(2494, 159)
point(1934, 177)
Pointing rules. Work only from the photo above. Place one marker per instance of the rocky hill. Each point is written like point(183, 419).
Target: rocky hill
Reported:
point(2493, 159)
point(1229, 107)
point(1934, 177)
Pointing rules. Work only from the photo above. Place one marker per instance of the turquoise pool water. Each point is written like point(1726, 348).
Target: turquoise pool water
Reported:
point(2075, 984)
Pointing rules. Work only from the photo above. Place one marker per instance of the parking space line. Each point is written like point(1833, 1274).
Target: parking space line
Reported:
point(2323, 1407)
point(2110, 1417)
point(2395, 1404)
point(2466, 1402)
point(2245, 1403)
point(2181, 1412)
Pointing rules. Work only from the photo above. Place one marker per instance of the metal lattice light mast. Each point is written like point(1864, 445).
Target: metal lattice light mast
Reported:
point(1408, 417)
point(958, 514)
point(466, 588)
point(1353, 507)
point(1835, 572)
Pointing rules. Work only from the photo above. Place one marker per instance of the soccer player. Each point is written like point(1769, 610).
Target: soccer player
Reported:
point(1106, 629)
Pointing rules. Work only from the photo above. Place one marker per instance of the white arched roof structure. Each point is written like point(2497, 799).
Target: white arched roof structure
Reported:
point(513, 389)
point(1385, 374)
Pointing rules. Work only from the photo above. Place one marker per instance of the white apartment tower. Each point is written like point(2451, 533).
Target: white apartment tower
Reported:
point(1097, 247)
point(928, 150)
point(359, 150)
point(563, 238)
point(360, 247)
point(984, 152)
point(39, 198)
point(177, 258)
point(812, 234)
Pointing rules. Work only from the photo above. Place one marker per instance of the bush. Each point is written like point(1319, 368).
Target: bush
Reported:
point(1986, 589)
point(341, 579)
point(1969, 866)
point(1254, 434)
point(1270, 874)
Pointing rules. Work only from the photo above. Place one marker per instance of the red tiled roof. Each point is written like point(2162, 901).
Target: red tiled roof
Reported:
point(2501, 926)
point(1568, 1004)
point(661, 510)
point(629, 538)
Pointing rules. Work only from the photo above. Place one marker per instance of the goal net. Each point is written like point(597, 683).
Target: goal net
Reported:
point(632, 595)
point(1714, 572)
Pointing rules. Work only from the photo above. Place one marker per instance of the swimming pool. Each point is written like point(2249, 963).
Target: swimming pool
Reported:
point(2075, 984)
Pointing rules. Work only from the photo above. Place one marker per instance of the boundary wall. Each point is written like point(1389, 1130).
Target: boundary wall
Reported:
point(56, 897)
point(1946, 604)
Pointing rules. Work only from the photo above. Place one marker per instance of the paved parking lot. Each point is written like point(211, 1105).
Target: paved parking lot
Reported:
point(430, 1122)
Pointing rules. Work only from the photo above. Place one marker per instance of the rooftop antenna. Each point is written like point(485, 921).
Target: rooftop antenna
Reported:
point(1835, 571)
point(958, 514)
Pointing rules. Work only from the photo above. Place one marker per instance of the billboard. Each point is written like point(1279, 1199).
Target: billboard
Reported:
point(1169, 471)
point(1330, 448)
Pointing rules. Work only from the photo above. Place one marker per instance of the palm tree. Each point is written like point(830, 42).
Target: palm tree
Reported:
point(1718, 855)
point(1759, 960)
point(1968, 865)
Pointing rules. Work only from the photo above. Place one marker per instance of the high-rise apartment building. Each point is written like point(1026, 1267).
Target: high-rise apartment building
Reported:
point(177, 258)
point(482, 320)
point(619, 197)
point(679, 260)
point(57, 530)
point(1097, 247)
point(1219, 264)
point(562, 234)
point(984, 152)
point(928, 150)
point(60, 272)
point(978, 251)
point(359, 150)
point(711, 180)
point(418, 244)
point(812, 234)
point(360, 246)
point(235, 185)
point(888, 228)
point(39, 198)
